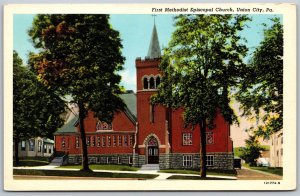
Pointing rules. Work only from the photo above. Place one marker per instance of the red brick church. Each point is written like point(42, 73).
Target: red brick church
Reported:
point(146, 134)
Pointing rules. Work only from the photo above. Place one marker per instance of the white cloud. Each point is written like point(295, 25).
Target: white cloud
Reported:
point(128, 79)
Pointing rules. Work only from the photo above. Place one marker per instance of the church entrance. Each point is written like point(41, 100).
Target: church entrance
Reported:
point(152, 151)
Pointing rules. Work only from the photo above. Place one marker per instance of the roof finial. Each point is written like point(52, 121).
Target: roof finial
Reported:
point(154, 48)
point(154, 15)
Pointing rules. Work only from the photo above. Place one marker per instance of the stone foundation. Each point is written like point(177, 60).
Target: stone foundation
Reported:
point(125, 159)
point(220, 161)
point(166, 161)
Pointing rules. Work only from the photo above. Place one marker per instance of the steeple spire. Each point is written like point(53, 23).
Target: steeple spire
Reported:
point(154, 48)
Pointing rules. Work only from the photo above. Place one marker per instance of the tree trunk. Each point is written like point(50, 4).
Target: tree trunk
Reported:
point(85, 161)
point(202, 125)
point(17, 151)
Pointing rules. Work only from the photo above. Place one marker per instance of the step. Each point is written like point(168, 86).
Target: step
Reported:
point(150, 167)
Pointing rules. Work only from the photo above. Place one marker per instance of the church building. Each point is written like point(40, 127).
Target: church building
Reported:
point(144, 133)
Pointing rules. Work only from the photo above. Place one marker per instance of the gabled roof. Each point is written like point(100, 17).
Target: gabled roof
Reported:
point(130, 110)
point(70, 127)
point(130, 101)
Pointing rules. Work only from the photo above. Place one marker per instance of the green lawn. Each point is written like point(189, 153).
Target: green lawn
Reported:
point(104, 167)
point(272, 170)
point(197, 172)
point(178, 177)
point(69, 173)
point(30, 163)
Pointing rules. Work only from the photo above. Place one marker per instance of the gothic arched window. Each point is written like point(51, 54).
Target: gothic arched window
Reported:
point(157, 81)
point(145, 81)
point(103, 126)
point(152, 85)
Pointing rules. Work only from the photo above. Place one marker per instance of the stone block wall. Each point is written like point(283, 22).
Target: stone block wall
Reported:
point(164, 161)
point(220, 161)
point(125, 159)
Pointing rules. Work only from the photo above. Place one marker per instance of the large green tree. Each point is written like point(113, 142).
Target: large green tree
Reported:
point(201, 63)
point(36, 110)
point(252, 151)
point(80, 55)
point(261, 90)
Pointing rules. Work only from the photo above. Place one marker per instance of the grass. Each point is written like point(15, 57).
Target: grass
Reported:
point(179, 177)
point(34, 158)
point(30, 163)
point(197, 172)
point(272, 170)
point(103, 167)
point(68, 173)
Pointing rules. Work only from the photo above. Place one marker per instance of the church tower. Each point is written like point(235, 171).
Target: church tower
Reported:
point(152, 137)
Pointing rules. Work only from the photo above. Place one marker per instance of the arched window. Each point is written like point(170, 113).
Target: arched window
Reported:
point(152, 142)
point(152, 86)
point(157, 81)
point(103, 126)
point(145, 81)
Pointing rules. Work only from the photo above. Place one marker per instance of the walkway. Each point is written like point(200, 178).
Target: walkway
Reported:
point(162, 176)
point(251, 174)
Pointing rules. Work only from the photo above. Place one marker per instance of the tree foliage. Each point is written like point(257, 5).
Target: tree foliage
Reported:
point(80, 56)
point(36, 110)
point(261, 90)
point(252, 151)
point(201, 63)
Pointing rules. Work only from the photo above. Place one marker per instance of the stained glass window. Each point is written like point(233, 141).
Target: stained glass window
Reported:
point(103, 126)
point(152, 142)
point(209, 138)
point(187, 139)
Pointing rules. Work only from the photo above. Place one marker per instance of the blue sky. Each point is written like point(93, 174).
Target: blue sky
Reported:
point(135, 32)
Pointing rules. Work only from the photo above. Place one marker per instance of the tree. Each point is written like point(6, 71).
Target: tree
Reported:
point(261, 90)
point(80, 56)
point(36, 110)
point(201, 63)
point(251, 151)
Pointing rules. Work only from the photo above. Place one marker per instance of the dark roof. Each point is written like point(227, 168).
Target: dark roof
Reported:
point(130, 101)
point(130, 110)
point(46, 140)
point(69, 127)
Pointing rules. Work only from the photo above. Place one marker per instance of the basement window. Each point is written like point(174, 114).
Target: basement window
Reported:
point(209, 160)
point(187, 161)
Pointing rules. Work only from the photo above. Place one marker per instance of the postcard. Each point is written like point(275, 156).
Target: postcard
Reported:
point(149, 97)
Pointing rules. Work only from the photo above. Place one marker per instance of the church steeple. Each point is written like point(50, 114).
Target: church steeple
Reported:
point(154, 48)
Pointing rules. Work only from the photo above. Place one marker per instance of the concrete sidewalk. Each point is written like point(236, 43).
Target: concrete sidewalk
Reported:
point(162, 176)
point(251, 174)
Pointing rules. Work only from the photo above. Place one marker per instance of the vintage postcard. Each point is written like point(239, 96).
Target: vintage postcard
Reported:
point(149, 97)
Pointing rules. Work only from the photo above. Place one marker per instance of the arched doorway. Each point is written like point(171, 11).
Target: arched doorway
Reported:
point(152, 151)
